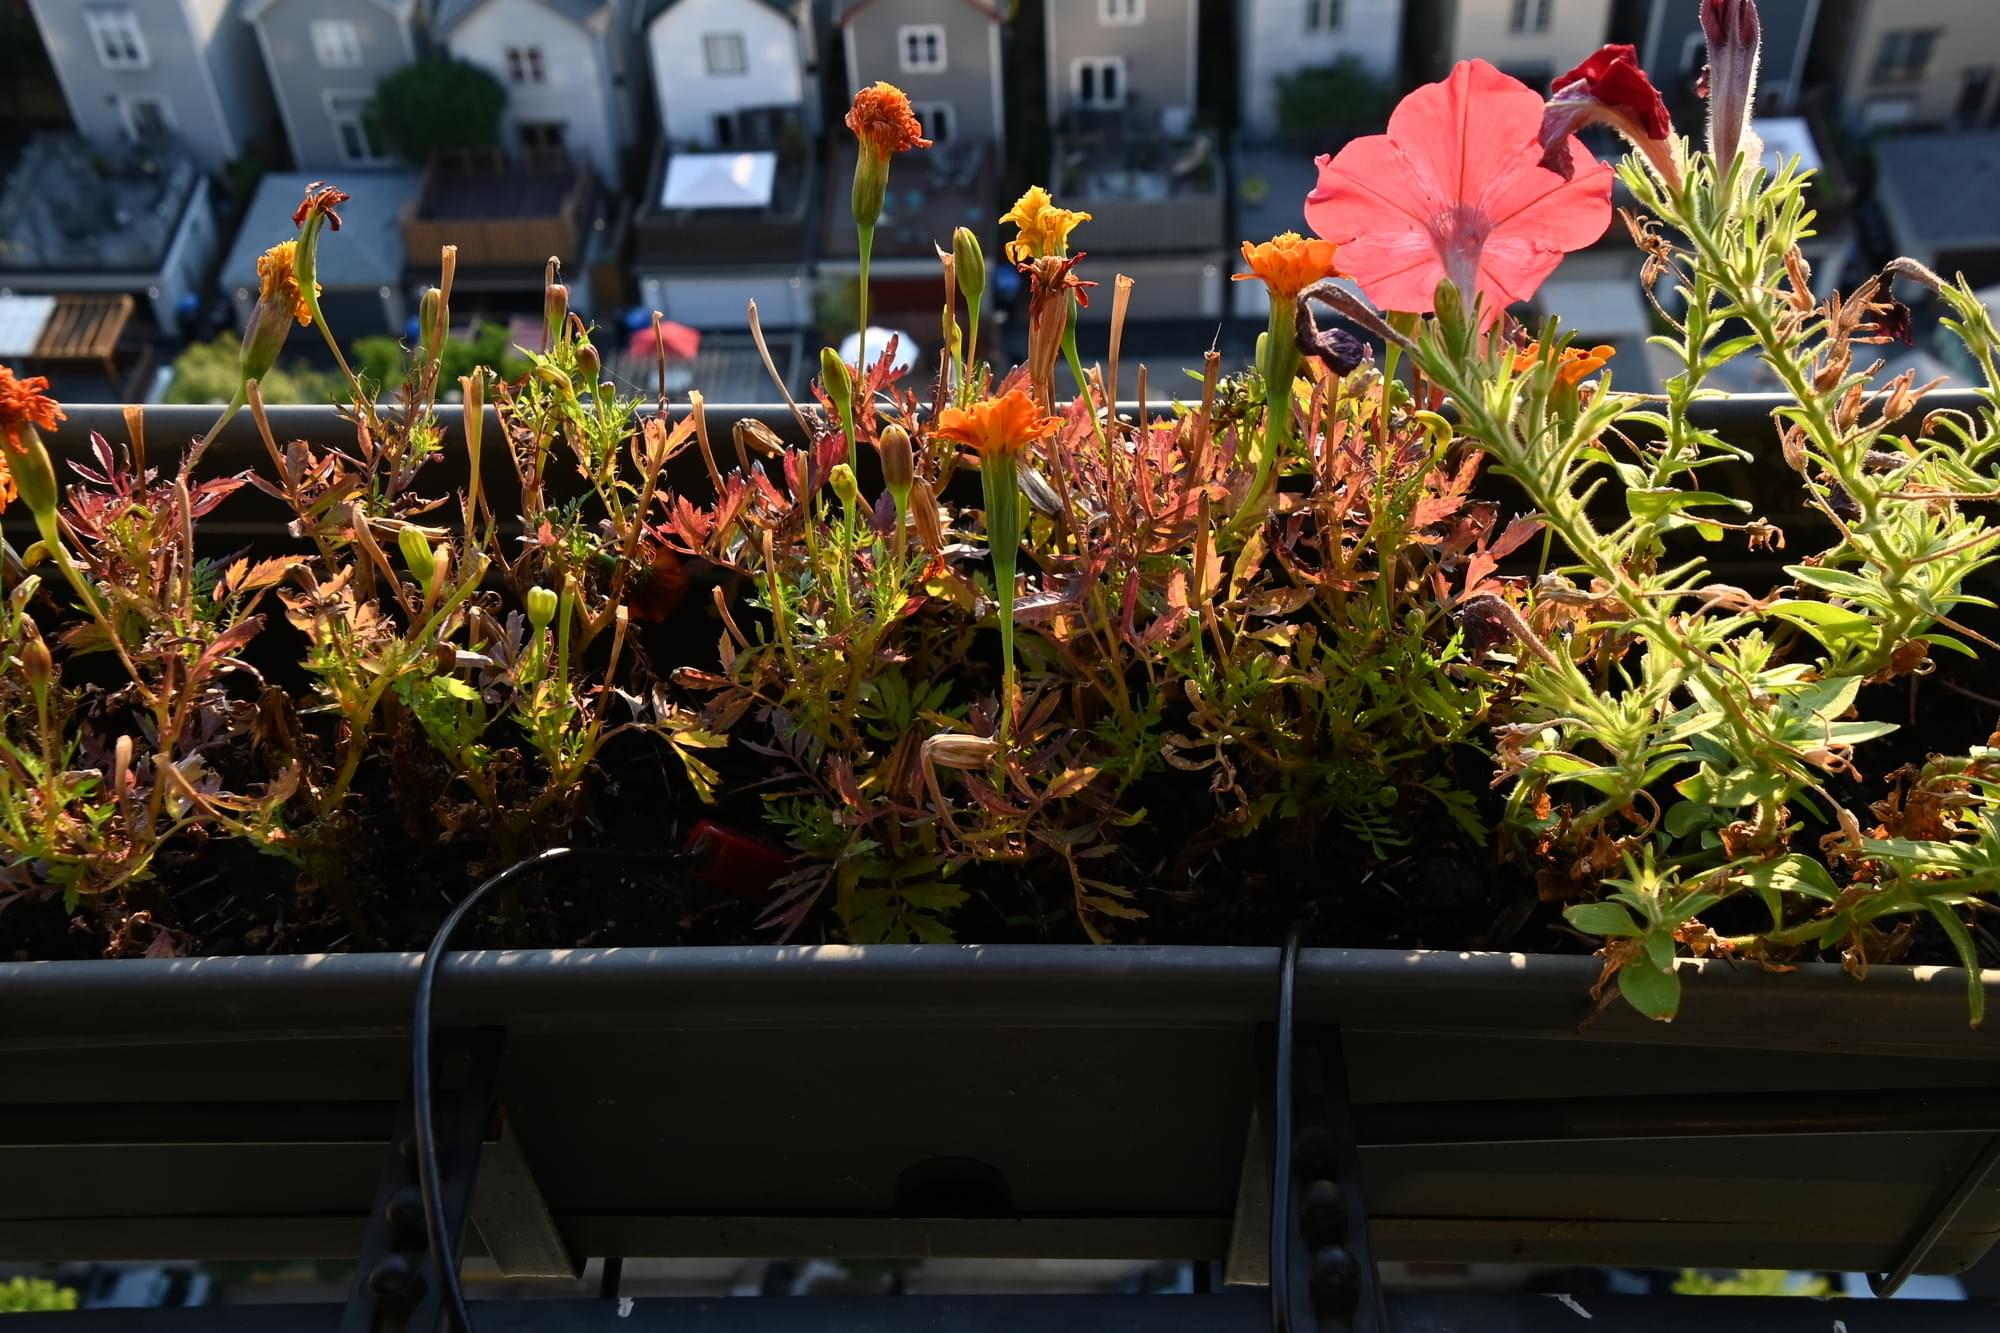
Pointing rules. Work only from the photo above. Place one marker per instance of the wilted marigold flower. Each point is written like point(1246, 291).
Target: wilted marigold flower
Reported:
point(997, 427)
point(1288, 264)
point(881, 118)
point(1044, 228)
point(1577, 365)
point(322, 199)
point(276, 271)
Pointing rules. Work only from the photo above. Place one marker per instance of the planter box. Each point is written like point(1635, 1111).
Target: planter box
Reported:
point(1009, 1100)
point(1013, 1100)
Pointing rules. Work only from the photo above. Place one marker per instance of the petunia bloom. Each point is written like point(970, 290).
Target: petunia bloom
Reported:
point(997, 427)
point(1457, 190)
point(1288, 264)
point(1735, 38)
point(1610, 89)
point(1576, 364)
point(1044, 228)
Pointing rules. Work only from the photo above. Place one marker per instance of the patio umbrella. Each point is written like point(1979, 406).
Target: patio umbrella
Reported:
point(680, 341)
point(878, 338)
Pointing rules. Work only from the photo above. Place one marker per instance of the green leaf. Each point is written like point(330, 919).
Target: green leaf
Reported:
point(1601, 919)
point(1837, 581)
point(1796, 873)
point(1660, 948)
point(1654, 993)
point(1684, 817)
point(1968, 953)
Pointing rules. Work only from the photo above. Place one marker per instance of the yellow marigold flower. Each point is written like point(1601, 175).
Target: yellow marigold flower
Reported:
point(1288, 264)
point(276, 270)
point(1578, 363)
point(998, 427)
point(1044, 228)
point(881, 118)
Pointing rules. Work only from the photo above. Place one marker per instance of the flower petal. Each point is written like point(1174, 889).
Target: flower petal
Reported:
point(1469, 129)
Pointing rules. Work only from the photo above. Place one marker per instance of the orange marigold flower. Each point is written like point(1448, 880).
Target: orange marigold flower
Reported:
point(999, 427)
point(1578, 363)
point(1044, 228)
point(277, 272)
point(321, 198)
point(1288, 264)
point(881, 118)
point(23, 403)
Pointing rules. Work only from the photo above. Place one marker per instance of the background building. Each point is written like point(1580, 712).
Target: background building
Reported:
point(325, 58)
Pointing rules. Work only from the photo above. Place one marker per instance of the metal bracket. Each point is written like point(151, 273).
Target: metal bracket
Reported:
point(1323, 1273)
point(396, 1285)
point(1937, 1220)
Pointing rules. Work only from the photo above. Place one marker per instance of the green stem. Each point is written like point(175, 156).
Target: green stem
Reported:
point(971, 342)
point(1076, 370)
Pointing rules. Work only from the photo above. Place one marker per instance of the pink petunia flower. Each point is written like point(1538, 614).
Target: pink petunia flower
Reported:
point(1456, 189)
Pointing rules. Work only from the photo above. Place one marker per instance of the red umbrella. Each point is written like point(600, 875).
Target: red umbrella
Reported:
point(680, 341)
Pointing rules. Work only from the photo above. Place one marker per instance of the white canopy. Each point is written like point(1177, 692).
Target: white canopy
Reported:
point(22, 320)
point(1786, 137)
point(878, 340)
point(719, 180)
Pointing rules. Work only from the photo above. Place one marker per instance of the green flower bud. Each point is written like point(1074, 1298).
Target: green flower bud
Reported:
point(417, 555)
point(844, 484)
point(871, 185)
point(589, 365)
point(555, 309)
point(541, 607)
point(37, 666)
point(970, 262)
point(833, 377)
point(431, 319)
point(555, 379)
point(35, 478)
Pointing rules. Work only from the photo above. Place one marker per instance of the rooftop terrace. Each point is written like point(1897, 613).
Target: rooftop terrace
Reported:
point(67, 206)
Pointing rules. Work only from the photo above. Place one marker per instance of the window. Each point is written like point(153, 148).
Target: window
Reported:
point(1323, 15)
point(1975, 86)
point(723, 53)
point(524, 64)
point(539, 135)
point(1121, 13)
point(1904, 55)
point(146, 118)
point(360, 146)
point(1530, 16)
point(1098, 84)
point(115, 34)
point(921, 46)
point(336, 44)
point(937, 118)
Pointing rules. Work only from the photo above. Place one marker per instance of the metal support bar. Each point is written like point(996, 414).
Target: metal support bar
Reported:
point(513, 1219)
point(1323, 1272)
point(1954, 1197)
point(396, 1285)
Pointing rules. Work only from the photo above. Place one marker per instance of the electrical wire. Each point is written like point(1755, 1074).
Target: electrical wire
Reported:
point(430, 1178)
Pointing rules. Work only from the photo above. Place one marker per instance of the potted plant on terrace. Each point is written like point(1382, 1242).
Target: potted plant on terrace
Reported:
point(887, 719)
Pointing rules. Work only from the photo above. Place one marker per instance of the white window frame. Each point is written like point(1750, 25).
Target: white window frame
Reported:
point(1121, 13)
point(709, 42)
point(1097, 102)
point(336, 43)
point(167, 123)
point(353, 106)
point(1530, 18)
point(917, 31)
point(118, 39)
point(525, 65)
point(937, 128)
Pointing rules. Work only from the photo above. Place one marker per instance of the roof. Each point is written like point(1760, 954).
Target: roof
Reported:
point(367, 251)
point(846, 11)
point(255, 9)
point(654, 8)
point(719, 180)
point(583, 13)
point(1941, 191)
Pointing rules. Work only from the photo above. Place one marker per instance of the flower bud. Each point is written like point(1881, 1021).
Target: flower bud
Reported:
point(35, 478)
point(899, 464)
point(37, 667)
point(871, 185)
point(589, 365)
point(541, 607)
point(1734, 39)
point(431, 319)
point(555, 379)
point(845, 484)
point(417, 555)
point(924, 515)
point(473, 386)
point(970, 262)
point(555, 309)
point(23, 593)
point(834, 379)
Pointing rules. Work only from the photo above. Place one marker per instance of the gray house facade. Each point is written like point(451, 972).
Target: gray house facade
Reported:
point(325, 58)
point(944, 53)
point(1673, 49)
point(185, 72)
point(1134, 58)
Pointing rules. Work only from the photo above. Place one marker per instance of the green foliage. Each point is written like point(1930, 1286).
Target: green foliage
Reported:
point(437, 103)
point(1344, 95)
point(1751, 1282)
point(210, 373)
point(34, 1295)
point(383, 361)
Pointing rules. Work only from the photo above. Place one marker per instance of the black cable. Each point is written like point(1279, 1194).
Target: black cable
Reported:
point(1281, 1134)
point(430, 1179)
point(614, 1273)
